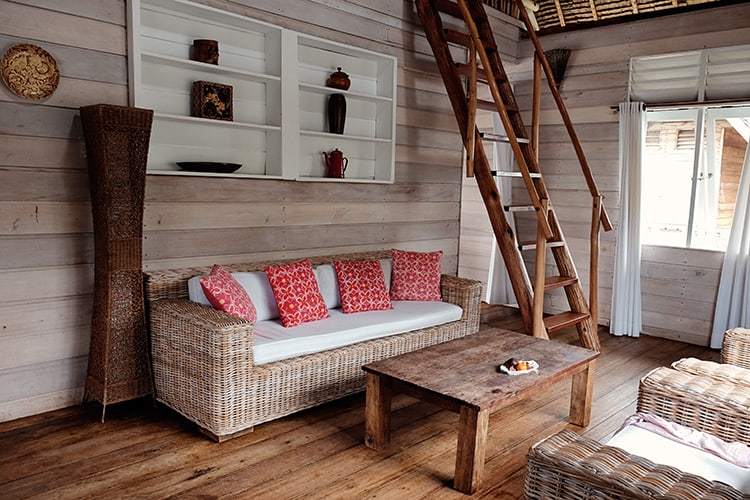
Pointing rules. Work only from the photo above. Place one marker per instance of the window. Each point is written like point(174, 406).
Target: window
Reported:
point(692, 162)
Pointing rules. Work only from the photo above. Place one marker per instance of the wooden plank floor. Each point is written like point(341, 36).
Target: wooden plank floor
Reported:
point(142, 451)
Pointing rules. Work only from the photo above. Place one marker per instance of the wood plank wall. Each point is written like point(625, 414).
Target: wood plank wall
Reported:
point(46, 242)
point(679, 286)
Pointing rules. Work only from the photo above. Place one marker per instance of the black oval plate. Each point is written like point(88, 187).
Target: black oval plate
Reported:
point(209, 166)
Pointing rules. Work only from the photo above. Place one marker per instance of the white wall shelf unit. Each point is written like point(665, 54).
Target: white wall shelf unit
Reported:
point(280, 125)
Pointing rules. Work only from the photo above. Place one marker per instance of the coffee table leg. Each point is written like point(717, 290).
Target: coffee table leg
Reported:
point(580, 395)
point(377, 412)
point(472, 435)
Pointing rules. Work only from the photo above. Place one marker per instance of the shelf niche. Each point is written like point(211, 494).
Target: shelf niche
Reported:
point(280, 125)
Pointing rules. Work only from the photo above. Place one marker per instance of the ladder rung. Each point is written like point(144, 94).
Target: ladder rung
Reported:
point(458, 37)
point(465, 70)
point(448, 7)
point(554, 282)
point(519, 208)
point(501, 138)
point(531, 245)
point(502, 173)
point(492, 106)
point(563, 320)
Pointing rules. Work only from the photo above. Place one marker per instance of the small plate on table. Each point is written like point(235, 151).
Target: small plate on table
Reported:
point(209, 166)
point(511, 367)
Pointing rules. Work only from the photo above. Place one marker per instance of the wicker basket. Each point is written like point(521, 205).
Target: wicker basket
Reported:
point(117, 140)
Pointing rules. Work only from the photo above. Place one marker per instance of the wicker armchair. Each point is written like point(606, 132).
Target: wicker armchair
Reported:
point(566, 465)
point(703, 395)
point(735, 348)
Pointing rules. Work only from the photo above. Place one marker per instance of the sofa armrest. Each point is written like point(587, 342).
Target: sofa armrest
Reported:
point(707, 404)
point(465, 293)
point(201, 357)
point(566, 465)
point(735, 348)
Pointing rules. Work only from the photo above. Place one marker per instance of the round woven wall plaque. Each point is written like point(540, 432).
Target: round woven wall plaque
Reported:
point(30, 71)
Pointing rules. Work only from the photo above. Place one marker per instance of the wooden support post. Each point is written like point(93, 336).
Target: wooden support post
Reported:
point(470, 453)
point(581, 392)
point(539, 278)
point(377, 412)
point(596, 214)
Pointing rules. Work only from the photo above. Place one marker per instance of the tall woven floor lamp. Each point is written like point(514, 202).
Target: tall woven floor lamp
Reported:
point(117, 140)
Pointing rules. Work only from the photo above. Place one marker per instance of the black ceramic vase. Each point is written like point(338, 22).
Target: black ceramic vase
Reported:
point(336, 113)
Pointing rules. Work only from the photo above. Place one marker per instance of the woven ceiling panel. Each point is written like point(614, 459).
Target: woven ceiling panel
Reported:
point(557, 14)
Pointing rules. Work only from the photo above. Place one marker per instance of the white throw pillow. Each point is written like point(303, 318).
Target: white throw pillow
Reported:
point(255, 284)
point(328, 285)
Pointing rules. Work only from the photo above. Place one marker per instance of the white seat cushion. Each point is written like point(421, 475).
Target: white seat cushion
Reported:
point(272, 342)
point(662, 450)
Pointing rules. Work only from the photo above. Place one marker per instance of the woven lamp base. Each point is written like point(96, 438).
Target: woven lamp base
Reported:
point(117, 140)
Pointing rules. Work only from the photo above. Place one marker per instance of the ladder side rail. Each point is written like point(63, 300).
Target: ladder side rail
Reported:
point(490, 68)
point(472, 120)
point(585, 168)
point(485, 181)
point(536, 104)
point(504, 235)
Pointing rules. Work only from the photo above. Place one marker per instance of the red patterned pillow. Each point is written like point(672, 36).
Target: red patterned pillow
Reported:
point(362, 286)
point(416, 275)
point(297, 294)
point(226, 294)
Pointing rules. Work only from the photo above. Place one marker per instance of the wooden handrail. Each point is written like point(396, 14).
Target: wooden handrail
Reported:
point(588, 176)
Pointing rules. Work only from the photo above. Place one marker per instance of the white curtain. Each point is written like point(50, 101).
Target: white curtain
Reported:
point(626, 316)
point(732, 308)
point(499, 288)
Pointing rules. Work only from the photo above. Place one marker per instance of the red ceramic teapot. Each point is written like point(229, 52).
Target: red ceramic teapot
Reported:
point(336, 163)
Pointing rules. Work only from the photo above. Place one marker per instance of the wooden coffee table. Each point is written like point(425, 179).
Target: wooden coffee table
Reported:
point(462, 376)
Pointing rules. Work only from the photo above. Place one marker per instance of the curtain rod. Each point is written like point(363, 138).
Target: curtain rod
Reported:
point(692, 104)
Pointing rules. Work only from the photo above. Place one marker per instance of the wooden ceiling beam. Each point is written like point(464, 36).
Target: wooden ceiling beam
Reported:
point(594, 14)
point(560, 15)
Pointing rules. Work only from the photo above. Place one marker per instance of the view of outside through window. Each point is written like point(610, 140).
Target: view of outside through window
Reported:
point(691, 169)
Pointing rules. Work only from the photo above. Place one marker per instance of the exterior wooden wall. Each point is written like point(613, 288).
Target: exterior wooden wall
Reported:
point(679, 286)
point(46, 242)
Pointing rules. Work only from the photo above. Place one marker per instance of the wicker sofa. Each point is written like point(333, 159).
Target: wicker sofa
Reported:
point(203, 358)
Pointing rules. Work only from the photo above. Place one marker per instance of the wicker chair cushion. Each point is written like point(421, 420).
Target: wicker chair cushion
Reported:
point(273, 342)
point(415, 275)
point(662, 450)
point(226, 294)
point(298, 297)
point(362, 286)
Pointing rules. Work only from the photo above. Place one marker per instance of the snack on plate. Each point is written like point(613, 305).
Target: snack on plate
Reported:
point(514, 366)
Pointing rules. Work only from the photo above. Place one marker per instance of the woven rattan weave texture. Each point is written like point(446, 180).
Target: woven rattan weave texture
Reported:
point(566, 466)
point(117, 141)
point(203, 358)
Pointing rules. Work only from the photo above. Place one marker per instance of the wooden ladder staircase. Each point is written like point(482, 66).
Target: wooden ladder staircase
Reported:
point(484, 67)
